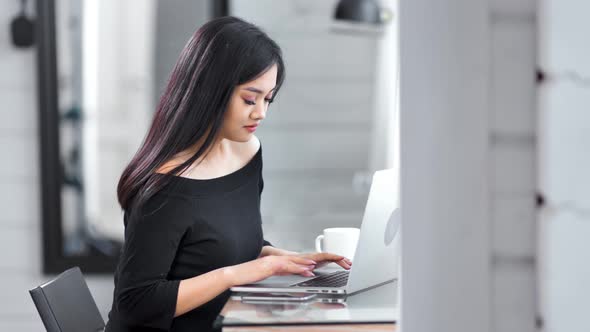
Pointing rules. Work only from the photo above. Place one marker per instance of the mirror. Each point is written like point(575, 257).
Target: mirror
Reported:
point(102, 66)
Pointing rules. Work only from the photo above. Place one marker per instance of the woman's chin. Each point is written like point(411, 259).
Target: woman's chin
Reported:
point(240, 138)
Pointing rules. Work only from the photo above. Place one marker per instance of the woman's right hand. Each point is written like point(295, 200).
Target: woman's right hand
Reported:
point(264, 267)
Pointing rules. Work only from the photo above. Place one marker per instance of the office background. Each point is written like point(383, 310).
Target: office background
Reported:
point(323, 118)
point(520, 285)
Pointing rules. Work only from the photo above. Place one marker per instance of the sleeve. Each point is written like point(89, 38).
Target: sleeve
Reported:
point(261, 187)
point(144, 296)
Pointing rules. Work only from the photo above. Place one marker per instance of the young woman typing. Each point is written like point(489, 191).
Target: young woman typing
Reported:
point(191, 194)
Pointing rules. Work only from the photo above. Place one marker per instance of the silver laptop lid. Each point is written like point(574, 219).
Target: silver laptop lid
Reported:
point(376, 258)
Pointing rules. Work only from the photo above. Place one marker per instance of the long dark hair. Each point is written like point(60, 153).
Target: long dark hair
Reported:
point(223, 53)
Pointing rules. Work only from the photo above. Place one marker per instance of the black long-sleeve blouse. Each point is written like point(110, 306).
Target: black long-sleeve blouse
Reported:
point(189, 228)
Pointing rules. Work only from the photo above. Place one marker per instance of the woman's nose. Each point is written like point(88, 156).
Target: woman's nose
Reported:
point(260, 112)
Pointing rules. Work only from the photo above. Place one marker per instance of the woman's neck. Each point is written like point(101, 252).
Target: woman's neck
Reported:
point(219, 151)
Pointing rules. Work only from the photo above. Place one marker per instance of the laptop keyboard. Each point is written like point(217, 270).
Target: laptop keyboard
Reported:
point(336, 279)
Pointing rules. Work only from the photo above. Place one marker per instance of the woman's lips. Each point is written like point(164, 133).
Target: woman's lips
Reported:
point(251, 128)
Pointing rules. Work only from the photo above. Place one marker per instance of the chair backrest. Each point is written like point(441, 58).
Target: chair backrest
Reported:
point(66, 305)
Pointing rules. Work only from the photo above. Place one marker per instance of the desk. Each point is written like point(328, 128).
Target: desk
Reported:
point(371, 310)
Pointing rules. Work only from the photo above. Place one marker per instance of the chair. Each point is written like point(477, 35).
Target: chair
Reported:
point(66, 305)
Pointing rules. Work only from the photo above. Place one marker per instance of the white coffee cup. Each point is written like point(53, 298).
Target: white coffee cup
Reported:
point(340, 240)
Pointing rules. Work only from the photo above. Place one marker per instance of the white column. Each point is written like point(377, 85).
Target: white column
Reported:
point(384, 151)
point(444, 78)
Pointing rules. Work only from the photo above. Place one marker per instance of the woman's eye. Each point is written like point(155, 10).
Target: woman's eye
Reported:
point(268, 100)
point(249, 102)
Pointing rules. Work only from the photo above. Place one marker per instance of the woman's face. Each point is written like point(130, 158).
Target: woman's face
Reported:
point(248, 106)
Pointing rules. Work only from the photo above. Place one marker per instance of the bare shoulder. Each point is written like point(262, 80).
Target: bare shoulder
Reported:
point(168, 166)
point(172, 163)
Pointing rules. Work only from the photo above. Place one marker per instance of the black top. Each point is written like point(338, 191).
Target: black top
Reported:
point(189, 228)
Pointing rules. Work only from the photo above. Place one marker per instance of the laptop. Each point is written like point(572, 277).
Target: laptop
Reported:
point(376, 257)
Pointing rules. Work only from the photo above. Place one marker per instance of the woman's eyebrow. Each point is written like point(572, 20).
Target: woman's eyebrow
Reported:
point(255, 90)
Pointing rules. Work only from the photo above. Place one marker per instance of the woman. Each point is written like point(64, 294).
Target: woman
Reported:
point(191, 194)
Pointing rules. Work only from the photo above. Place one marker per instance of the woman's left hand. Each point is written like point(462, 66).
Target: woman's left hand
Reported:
point(323, 258)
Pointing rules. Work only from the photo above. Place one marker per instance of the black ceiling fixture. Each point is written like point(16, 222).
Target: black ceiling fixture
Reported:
point(359, 11)
point(22, 28)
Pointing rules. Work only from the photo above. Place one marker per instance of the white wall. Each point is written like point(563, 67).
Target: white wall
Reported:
point(20, 220)
point(564, 133)
point(317, 135)
point(20, 238)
